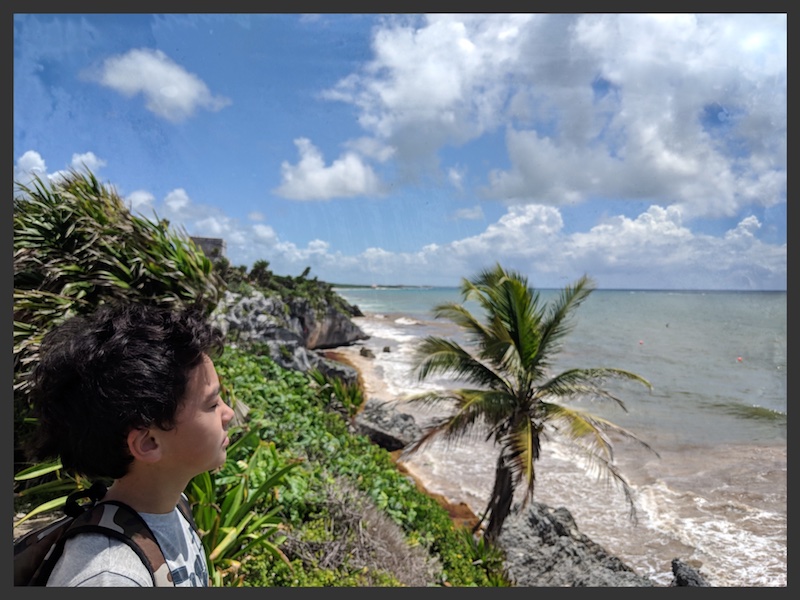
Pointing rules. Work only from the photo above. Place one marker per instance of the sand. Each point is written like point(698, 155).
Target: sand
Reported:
point(374, 387)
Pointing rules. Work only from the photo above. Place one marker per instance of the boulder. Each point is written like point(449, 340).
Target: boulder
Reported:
point(291, 332)
point(544, 548)
point(385, 425)
point(686, 576)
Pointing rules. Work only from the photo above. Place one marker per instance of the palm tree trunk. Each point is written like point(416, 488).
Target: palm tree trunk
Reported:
point(499, 505)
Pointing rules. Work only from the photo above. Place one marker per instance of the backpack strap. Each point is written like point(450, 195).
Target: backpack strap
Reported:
point(121, 522)
point(186, 511)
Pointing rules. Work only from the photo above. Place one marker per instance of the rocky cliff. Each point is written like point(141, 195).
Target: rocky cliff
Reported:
point(291, 330)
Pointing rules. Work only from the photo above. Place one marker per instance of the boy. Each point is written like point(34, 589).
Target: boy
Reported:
point(130, 394)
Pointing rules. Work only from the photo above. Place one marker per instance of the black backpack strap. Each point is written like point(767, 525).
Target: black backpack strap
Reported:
point(186, 510)
point(121, 522)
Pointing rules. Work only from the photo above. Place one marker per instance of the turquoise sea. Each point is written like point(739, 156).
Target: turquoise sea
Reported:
point(717, 415)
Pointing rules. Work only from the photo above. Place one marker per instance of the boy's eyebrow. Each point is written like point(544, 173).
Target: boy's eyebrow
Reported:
point(213, 393)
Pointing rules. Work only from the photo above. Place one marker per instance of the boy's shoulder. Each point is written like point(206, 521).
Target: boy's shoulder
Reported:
point(96, 559)
point(37, 552)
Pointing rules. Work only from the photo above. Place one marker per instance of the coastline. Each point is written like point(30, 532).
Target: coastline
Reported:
point(680, 514)
point(375, 387)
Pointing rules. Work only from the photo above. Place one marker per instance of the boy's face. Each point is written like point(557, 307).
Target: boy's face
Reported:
point(199, 439)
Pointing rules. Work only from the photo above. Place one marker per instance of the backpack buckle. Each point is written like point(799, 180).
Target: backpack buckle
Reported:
point(73, 507)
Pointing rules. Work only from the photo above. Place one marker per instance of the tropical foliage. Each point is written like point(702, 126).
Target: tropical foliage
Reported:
point(77, 245)
point(513, 397)
point(301, 501)
point(235, 509)
point(319, 294)
point(327, 499)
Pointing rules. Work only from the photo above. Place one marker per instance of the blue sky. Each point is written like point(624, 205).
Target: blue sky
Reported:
point(646, 151)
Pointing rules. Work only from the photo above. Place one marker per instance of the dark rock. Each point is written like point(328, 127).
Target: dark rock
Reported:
point(366, 352)
point(545, 549)
point(387, 349)
point(686, 576)
point(290, 332)
point(385, 425)
point(326, 328)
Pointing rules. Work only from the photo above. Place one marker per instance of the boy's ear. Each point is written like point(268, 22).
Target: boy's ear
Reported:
point(143, 445)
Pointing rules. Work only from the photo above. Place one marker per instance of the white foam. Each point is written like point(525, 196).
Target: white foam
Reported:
point(406, 321)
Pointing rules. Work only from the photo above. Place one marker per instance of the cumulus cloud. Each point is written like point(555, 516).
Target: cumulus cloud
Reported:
point(169, 90)
point(310, 179)
point(684, 115)
point(655, 249)
point(31, 164)
point(28, 166)
point(177, 201)
point(609, 106)
point(87, 160)
point(141, 201)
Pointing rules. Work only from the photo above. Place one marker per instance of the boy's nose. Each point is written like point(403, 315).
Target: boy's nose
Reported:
point(227, 415)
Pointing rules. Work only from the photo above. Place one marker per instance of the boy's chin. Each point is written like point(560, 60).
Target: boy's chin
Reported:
point(221, 463)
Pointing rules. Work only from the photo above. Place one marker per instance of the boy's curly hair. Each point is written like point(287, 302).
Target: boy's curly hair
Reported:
point(101, 375)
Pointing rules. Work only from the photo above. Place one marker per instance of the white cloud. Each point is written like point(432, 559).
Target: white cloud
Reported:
point(28, 166)
point(210, 227)
point(435, 82)
point(456, 177)
point(168, 89)
point(606, 106)
point(141, 201)
point(656, 249)
point(177, 201)
point(31, 164)
point(310, 179)
point(87, 160)
point(265, 233)
point(371, 148)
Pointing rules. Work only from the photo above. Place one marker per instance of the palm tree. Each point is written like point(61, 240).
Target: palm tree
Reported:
point(514, 398)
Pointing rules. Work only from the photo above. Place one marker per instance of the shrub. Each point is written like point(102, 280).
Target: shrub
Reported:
point(76, 245)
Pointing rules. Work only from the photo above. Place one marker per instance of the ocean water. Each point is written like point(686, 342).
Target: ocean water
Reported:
point(715, 497)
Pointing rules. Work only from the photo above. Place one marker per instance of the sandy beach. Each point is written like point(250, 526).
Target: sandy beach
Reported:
point(715, 497)
point(427, 464)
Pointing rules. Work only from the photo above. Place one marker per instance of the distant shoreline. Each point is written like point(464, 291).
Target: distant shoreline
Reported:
point(359, 286)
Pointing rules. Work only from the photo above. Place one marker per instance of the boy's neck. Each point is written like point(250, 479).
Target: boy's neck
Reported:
point(149, 494)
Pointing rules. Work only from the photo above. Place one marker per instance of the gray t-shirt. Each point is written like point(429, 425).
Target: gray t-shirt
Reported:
point(97, 560)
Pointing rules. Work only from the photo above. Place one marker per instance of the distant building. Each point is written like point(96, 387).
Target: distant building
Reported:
point(211, 247)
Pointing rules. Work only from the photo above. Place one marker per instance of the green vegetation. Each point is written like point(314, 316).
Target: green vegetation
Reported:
point(300, 501)
point(319, 293)
point(515, 398)
point(349, 516)
point(76, 245)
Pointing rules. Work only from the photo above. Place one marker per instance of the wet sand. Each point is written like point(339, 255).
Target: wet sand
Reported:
point(418, 466)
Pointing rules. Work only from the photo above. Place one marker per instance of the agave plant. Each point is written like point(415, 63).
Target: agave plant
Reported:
point(234, 514)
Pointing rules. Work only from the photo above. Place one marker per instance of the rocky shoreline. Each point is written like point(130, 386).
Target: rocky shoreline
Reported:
point(543, 545)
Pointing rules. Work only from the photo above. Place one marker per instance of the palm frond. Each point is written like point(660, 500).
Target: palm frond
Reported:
point(587, 383)
point(591, 439)
point(438, 356)
point(590, 431)
point(555, 323)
